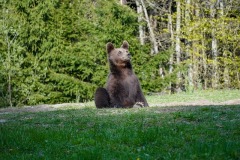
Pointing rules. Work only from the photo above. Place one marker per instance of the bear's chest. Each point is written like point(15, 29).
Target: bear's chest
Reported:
point(122, 86)
point(128, 84)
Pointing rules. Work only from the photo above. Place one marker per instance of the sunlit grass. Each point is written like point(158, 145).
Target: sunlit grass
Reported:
point(209, 95)
point(145, 133)
point(199, 95)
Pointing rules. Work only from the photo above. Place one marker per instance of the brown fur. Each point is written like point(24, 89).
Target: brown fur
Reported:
point(123, 88)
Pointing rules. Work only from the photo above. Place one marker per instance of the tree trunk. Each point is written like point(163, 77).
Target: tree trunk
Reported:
point(140, 20)
point(177, 47)
point(123, 2)
point(188, 54)
point(226, 77)
point(204, 62)
point(8, 66)
point(170, 29)
point(196, 54)
point(151, 32)
point(9, 71)
point(215, 78)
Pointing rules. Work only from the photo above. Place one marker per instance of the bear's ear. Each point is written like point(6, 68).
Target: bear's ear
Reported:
point(109, 47)
point(125, 45)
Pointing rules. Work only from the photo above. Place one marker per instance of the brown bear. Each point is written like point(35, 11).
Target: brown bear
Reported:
point(123, 88)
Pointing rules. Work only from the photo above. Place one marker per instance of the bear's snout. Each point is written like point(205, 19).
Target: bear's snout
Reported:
point(127, 57)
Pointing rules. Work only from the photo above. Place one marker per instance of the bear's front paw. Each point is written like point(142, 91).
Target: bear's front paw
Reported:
point(138, 105)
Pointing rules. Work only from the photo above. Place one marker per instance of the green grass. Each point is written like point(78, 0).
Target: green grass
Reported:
point(209, 132)
point(209, 95)
point(152, 133)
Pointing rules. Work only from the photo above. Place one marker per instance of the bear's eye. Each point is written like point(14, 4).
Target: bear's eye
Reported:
point(119, 52)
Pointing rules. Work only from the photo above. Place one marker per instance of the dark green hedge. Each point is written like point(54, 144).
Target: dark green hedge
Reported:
point(53, 51)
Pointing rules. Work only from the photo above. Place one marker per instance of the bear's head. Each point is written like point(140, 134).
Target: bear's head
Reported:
point(119, 57)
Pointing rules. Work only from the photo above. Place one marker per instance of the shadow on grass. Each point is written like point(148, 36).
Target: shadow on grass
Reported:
point(145, 133)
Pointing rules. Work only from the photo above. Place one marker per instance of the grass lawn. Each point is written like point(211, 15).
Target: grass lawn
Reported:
point(199, 132)
point(208, 95)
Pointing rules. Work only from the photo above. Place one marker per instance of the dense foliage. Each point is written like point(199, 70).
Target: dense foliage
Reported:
point(54, 51)
point(205, 37)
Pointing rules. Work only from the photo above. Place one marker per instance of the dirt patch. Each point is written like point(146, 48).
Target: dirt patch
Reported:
point(193, 103)
point(46, 107)
point(199, 103)
point(42, 108)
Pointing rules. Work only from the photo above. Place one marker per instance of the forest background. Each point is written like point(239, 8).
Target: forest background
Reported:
point(53, 51)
